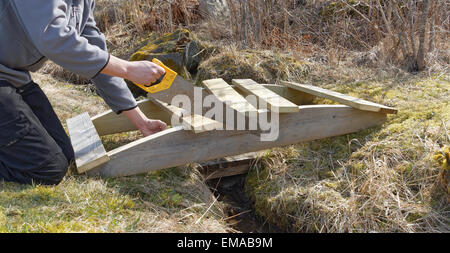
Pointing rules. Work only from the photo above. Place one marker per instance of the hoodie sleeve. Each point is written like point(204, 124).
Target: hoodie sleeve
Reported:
point(113, 90)
point(46, 25)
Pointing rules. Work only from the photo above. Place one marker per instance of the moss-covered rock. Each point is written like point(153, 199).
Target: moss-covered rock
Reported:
point(261, 66)
point(178, 50)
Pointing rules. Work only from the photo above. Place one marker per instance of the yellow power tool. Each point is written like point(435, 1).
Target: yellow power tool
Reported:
point(163, 83)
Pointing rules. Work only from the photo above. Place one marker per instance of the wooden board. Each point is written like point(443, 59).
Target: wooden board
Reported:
point(341, 98)
point(225, 93)
point(176, 147)
point(228, 166)
point(273, 101)
point(195, 123)
point(295, 96)
point(89, 150)
point(200, 124)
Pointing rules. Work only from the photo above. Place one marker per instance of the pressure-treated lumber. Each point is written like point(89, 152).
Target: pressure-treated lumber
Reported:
point(175, 147)
point(341, 98)
point(111, 123)
point(193, 122)
point(89, 150)
point(225, 93)
point(200, 124)
point(173, 111)
point(295, 96)
point(273, 101)
point(228, 166)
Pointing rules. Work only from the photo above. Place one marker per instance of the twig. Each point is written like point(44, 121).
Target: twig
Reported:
point(207, 210)
point(234, 216)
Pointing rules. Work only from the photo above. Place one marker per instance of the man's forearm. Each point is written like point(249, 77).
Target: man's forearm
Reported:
point(116, 67)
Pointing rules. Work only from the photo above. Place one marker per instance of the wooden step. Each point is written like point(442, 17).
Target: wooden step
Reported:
point(89, 150)
point(225, 93)
point(273, 101)
point(194, 122)
point(341, 98)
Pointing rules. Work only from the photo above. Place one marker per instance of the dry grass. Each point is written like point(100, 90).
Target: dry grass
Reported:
point(261, 66)
point(382, 179)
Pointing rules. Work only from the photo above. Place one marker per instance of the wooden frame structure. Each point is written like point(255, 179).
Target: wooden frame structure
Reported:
point(199, 139)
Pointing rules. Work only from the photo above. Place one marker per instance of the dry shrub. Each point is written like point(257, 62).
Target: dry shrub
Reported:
point(261, 66)
point(147, 15)
point(405, 31)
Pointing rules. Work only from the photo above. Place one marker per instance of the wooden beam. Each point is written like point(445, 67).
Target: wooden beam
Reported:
point(273, 101)
point(170, 109)
point(175, 147)
point(341, 98)
point(228, 166)
point(195, 122)
point(224, 92)
point(89, 150)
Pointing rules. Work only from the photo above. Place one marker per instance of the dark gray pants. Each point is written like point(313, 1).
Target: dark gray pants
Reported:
point(33, 144)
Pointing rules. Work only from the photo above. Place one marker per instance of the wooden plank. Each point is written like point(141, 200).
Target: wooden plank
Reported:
point(200, 124)
point(341, 98)
point(273, 101)
point(295, 96)
point(89, 150)
point(228, 166)
point(195, 123)
point(176, 147)
point(224, 92)
point(170, 109)
point(111, 123)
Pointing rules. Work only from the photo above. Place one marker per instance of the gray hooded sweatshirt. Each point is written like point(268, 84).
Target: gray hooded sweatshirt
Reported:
point(64, 31)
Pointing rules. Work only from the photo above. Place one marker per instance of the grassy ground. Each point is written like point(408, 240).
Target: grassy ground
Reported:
point(382, 179)
point(172, 200)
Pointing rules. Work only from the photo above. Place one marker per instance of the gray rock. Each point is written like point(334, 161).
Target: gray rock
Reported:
point(214, 8)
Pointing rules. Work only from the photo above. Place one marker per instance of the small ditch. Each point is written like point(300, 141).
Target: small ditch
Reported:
point(238, 207)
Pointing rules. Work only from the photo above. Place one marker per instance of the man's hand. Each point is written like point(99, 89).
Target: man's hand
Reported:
point(145, 125)
point(140, 72)
point(144, 72)
point(151, 126)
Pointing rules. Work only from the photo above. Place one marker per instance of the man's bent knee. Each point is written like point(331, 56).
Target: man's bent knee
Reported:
point(52, 173)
